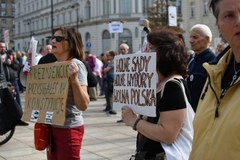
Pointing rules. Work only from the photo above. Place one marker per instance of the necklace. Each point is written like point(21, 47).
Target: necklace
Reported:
point(234, 77)
point(235, 73)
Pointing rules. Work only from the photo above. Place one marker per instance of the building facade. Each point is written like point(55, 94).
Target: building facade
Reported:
point(7, 11)
point(92, 17)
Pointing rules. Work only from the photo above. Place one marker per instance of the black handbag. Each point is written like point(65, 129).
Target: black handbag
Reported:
point(10, 111)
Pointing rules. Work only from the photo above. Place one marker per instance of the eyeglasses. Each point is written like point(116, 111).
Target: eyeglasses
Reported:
point(57, 38)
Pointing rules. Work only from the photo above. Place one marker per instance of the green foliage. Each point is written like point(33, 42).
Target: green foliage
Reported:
point(157, 14)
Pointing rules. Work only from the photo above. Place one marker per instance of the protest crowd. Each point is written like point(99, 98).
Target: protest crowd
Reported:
point(182, 102)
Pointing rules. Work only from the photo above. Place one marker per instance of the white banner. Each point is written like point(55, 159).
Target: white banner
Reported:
point(135, 80)
point(115, 27)
point(172, 16)
point(6, 37)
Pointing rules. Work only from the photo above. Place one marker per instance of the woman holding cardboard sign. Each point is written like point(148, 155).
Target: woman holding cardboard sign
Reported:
point(67, 46)
point(171, 131)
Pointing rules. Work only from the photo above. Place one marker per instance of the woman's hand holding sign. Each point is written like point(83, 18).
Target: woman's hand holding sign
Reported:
point(73, 71)
point(128, 116)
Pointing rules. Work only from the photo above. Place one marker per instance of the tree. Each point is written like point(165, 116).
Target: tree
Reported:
point(157, 14)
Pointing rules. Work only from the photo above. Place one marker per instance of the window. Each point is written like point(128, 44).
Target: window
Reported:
point(46, 22)
point(42, 24)
point(125, 6)
point(70, 16)
point(114, 6)
point(37, 6)
point(205, 7)
point(136, 6)
point(57, 20)
point(192, 6)
point(63, 18)
point(126, 37)
point(146, 4)
point(179, 7)
point(87, 39)
point(37, 24)
point(136, 32)
point(4, 21)
point(88, 10)
point(106, 41)
point(19, 8)
point(3, 8)
point(43, 42)
point(106, 7)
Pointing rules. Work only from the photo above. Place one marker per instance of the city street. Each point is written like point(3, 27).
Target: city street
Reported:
point(104, 139)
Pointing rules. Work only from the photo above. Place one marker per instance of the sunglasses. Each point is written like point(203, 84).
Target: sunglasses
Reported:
point(57, 38)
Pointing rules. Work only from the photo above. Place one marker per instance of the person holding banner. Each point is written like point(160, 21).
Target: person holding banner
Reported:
point(67, 140)
point(162, 135)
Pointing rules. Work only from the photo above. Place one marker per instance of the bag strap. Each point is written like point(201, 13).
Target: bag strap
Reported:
point(172, 78)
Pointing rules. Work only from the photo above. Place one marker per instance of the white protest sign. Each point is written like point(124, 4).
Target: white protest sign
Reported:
point(172, 15)
point(135, 80)
point(34, 51)
point(115, 27)
point(6, 37)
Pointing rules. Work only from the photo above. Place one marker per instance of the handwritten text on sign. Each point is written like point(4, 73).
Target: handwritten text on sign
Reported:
point(135, 82)
point(46, 93)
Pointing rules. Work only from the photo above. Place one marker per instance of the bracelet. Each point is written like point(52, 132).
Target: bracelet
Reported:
point(135, 124)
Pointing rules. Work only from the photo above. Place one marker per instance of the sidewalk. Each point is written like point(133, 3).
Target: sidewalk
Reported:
point(104, 139)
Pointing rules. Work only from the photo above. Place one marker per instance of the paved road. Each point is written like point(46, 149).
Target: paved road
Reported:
point(104, 138)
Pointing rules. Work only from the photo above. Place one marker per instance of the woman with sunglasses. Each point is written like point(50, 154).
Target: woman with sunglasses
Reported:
point(67, 46)
point(216, 124)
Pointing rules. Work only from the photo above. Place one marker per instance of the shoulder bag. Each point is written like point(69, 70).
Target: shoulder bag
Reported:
point(180, 149)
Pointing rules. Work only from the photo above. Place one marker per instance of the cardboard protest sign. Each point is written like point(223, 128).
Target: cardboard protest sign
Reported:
point(46, 93)
point(135, 80)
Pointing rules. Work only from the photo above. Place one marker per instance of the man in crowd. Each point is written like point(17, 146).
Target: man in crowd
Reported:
point(200, 40)
point(124, 49)
point(11, 67)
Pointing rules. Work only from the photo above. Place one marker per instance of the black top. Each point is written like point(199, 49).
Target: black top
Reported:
point(49, 58)
point(172, 99)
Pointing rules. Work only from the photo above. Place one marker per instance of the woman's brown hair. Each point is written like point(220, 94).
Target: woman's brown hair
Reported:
point(171, 51)
point(74, 39)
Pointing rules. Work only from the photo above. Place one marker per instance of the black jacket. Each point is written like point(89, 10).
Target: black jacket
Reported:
point(11, 70)
point(197, 75)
